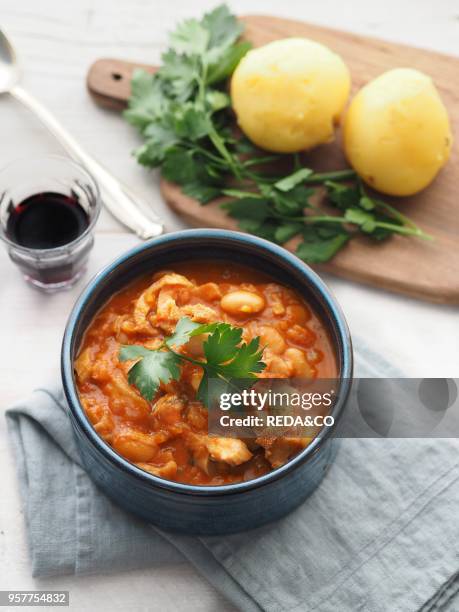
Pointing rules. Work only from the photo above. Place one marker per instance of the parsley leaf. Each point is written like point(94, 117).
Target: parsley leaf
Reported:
point(266, 230)
point(246, 361)
point(319, 250)
point(224, 62)
point(147, 101)
point(182, 332)
point(190, 38)
point(342, 196)
point(228, 361)
point(222, 345)
point(293, 202)
point(186, 329)
point(152, 368)
point(286, 231)
point(223, 27)
point(184, 166)
point(179, 75)
point(248, 208)
point(201, 192)
point(160, 139)
point(191, 123)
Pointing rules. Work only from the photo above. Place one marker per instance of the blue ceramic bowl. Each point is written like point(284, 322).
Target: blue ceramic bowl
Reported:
point(191, 509)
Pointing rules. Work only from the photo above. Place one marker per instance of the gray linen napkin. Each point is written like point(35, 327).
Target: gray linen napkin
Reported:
point(381, 533)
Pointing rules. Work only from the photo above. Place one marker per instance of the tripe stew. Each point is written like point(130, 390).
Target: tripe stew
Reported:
point(168, 436)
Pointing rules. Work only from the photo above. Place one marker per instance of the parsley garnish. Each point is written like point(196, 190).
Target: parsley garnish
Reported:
point(228, 359)
point(183, 113)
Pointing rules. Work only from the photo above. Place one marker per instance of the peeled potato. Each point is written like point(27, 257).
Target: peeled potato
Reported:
point(289, 94)
point(396, 132)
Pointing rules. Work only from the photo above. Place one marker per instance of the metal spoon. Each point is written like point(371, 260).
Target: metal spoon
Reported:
point(119, 200)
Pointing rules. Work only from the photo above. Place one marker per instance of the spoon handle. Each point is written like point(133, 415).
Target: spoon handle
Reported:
point(123, 204)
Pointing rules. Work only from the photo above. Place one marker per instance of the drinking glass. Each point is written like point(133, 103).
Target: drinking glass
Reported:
point(58, 267)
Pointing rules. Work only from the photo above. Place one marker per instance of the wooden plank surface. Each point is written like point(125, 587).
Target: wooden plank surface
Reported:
point(425, 270)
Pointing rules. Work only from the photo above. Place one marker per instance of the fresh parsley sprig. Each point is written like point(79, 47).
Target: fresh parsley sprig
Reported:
point(282, 211)
point(183, 112)
point(228, 359)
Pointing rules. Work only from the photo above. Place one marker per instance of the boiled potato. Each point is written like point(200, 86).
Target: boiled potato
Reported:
point(396, 132)
point(289, 94)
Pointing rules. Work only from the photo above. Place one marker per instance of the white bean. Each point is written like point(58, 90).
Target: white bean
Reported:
point(240, 303)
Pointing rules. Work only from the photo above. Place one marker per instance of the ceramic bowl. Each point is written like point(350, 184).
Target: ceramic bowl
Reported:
point(191, 509)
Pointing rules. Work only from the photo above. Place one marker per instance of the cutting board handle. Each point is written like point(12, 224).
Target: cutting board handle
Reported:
point(109, 81)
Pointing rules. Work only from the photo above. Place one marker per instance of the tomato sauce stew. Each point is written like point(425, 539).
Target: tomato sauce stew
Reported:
point(168, 436)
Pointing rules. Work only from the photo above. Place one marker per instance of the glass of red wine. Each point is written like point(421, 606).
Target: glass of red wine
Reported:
point(48, 209)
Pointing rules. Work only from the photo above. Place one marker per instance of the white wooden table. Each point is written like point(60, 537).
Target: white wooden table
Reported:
point(57, 41)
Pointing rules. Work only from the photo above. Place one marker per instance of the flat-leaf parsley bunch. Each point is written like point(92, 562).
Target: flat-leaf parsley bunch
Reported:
point(184, 114)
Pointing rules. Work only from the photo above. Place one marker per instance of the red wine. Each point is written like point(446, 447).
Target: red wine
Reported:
point(46, 221)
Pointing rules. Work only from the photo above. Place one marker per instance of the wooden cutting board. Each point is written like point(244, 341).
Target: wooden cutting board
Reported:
point(417, 268)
